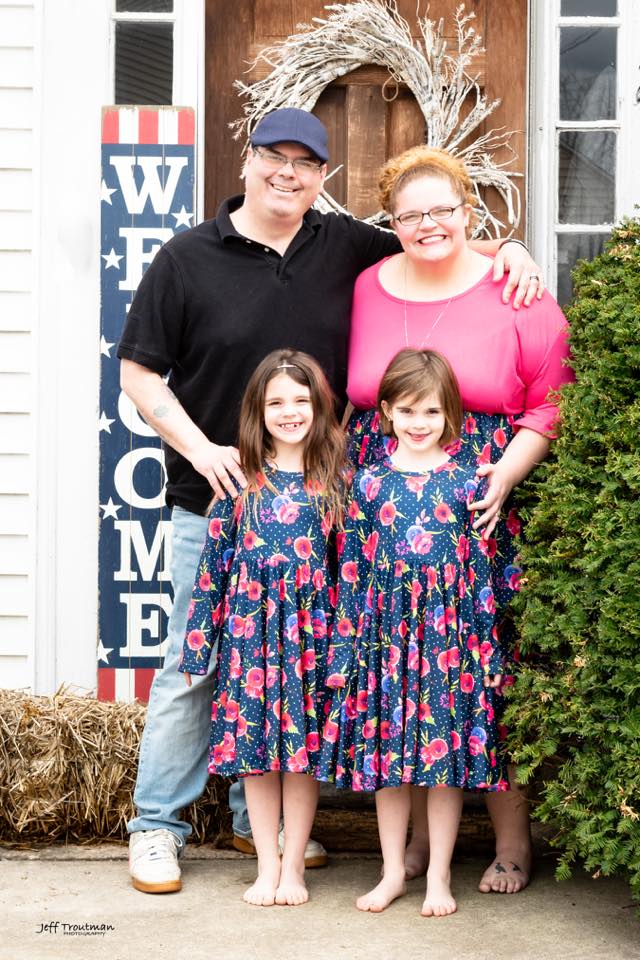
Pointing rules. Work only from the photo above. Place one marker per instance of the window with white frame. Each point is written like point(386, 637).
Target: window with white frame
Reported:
point(144, 51)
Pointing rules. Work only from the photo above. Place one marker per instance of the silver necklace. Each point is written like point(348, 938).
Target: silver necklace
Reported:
point(433, 325)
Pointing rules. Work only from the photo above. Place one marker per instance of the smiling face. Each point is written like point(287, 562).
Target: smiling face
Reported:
point(286, 193)
point(431, 241)
point(288, 414)
point(419, 425)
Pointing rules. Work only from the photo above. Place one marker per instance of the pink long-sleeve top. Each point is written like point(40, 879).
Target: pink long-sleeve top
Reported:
point(506, 361)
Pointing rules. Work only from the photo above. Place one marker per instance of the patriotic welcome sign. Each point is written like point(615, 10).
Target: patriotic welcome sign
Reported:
point(147, 196)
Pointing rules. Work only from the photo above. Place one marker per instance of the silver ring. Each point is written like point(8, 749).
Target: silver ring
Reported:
point(534, 276)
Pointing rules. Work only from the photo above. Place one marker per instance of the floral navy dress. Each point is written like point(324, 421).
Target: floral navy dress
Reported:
point(414, 637)
point(262, 597)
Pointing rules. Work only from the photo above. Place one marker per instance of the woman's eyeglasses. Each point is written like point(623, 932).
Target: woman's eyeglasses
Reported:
point(277, 160)
point(413, 217)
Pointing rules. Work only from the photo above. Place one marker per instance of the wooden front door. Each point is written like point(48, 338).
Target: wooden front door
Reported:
point(364, 127)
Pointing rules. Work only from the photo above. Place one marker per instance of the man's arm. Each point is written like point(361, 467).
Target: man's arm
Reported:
point(163, 411)
point(524, 272)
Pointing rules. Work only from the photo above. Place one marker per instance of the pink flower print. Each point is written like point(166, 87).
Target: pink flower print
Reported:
point(286, 722)
point(308, 659)
point(500, 438)
point(235, 667)
point(384, 730)
point(462, 549)
point(341, 538)
point(486, 650)
point(470, 425)
point(393, 657)
point(354, 510)
point(236, 625)
point(387, 513)
point(215, 528)
point(476, 747)
point(309, 705)
point(409, 708)
point(282, 588)
point(303, 575)
point(487, 600)
point(345, 627)
point(449, 573)
point(372, 488)
point(514, 525)
point(254, 686)
point(361, 701)
point(415, 484)
point(205, 581)
point(462, 587)
point(254, 590)
point(472, 642)
point(191, 610)
point(370, 546)
point(466, 682)
point(250, 539)
point(196, 640)
point(214, 711)
point(301, 757)
point(335, 681)
point(403, 629)
point(425, 756)
point(485, 455)
point(371, 681)
point(369, 730)
point(439, 748)
point(454, 657)
point(232, 710)
point(276, 559)
point(312, 742)
point(385, 764)
point(443, 513)
point(512, 575)
point(453, 448)
point(422, 542)
point(271, 608)
point(416, 590)
point(319, 624)
point(318, 579)
point(456, 742)
point(249, 627)
point(413, 658)
point(303, 547)
point(288, 512)
point(425, 668)
point(349, 571)
point(330, 732)
point(424, 711)
point(398, 568)
point(241, 726)
point(271, 676)
point(276, 708)
point(488, 547)
point(432, 577)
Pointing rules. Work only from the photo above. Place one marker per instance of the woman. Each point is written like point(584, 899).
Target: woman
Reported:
point(438, 293)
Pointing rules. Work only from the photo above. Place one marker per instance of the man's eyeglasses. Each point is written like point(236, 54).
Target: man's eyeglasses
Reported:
point(277, 160)
point(413, 217)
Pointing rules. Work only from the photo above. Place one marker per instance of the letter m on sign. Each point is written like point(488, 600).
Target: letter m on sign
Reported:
point(147, 195)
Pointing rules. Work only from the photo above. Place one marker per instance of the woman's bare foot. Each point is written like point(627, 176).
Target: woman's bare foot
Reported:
point(416, 858)
point(389, 889)
point(439, 901)
point(506, 875)
point(263, 892)
point(292, 890)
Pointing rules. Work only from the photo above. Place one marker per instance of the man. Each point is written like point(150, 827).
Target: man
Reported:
point(267, 272)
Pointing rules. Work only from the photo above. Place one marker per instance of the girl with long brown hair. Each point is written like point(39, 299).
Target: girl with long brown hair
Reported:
point(263, 594)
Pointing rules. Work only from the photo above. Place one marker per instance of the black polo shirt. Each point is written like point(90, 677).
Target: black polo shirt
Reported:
point(213, 304)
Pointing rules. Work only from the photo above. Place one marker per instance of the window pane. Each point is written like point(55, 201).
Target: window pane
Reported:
point(589, 8)
point(144, 6)
point(144, 62)
point(571, 248)
point(588, 73)
point(586, 176)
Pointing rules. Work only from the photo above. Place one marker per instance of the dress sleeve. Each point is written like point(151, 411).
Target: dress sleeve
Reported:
point(356, 552)
point(206, 610)
point(544, 352)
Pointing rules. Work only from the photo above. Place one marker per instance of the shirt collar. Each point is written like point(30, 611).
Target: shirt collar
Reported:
point(312, 219)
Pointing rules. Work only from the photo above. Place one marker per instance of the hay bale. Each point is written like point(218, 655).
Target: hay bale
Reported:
point(68, 766)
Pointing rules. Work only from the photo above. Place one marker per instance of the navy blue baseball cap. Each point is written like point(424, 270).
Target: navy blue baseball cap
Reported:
point(298, 126)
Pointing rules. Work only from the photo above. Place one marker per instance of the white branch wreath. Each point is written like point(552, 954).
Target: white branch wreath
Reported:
point(371, 32)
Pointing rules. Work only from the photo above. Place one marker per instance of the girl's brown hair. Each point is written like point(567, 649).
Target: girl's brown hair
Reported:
point(324, 446)
point(423, 161)
point(417, 374)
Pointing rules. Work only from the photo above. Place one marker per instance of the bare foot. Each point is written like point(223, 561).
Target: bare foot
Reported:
point(292, 890)
point(507, 876)
point(263, 892)
point(416, 859)
point(439, 901)
point(389, 889)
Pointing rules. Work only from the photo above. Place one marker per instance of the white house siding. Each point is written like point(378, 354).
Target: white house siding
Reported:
point(18, 33)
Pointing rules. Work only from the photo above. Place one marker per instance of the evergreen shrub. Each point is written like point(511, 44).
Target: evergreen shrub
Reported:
point(574, 713)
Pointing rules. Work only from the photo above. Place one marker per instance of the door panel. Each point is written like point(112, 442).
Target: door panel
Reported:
point(365, 127)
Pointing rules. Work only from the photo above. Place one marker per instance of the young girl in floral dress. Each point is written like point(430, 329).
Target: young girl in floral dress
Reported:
point(415, 659)
point(263, 595)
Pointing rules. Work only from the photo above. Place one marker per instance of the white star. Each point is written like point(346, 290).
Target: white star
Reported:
point(110, 508)
point(111, 259)
point(104, 423)
point(105, 193)
point(182, 218)
point(105, 347)
point(103, 653)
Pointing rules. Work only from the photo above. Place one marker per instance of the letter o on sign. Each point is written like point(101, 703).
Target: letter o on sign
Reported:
point(123, 478)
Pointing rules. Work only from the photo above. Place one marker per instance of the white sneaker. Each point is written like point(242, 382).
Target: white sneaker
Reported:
point(153, 861)
point(315, 854)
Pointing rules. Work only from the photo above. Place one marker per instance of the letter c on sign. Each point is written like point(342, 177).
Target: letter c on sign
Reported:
point(123, 478)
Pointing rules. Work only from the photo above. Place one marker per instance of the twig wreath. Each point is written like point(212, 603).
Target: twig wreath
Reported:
point(371, 32)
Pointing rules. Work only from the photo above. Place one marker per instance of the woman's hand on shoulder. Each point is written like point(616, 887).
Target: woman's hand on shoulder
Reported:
point(525, 281)
point(498, 489)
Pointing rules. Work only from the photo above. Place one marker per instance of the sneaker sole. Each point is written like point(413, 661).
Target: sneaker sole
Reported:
point(170, 886)
point(246, 846)
point(311, 863)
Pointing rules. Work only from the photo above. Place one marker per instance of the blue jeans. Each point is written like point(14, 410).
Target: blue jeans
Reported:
point(172, 769)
